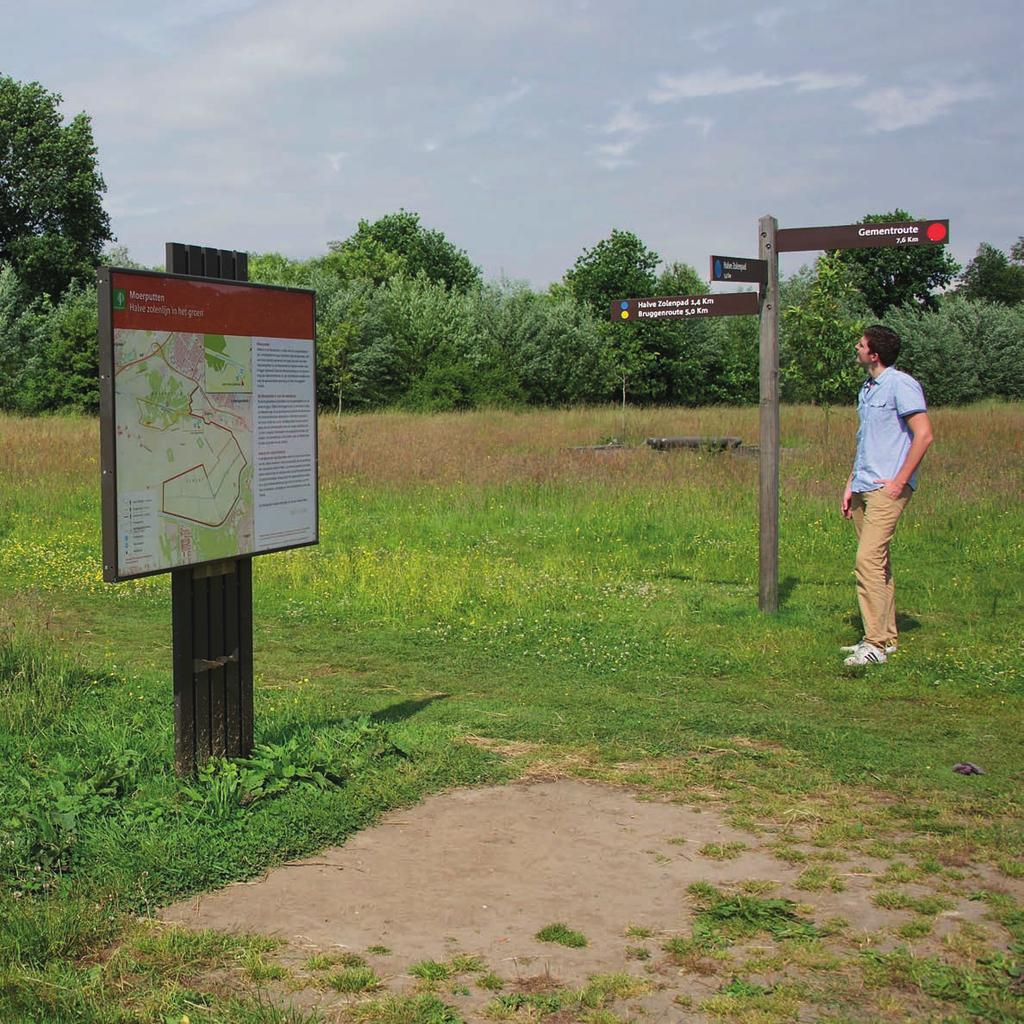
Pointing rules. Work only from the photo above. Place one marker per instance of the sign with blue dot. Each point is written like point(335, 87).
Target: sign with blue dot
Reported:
point(683, 307)
point(738, 268)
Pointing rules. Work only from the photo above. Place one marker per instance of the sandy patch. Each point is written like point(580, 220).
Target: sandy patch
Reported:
point(485, 869)
point(481, 871)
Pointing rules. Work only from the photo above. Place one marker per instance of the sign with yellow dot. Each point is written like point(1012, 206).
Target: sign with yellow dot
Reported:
point(684, 307)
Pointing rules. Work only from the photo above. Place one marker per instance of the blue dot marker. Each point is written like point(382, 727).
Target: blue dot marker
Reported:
point(624, 304)
point(718, 270)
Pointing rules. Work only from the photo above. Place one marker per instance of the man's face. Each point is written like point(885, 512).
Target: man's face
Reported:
point(865, 357)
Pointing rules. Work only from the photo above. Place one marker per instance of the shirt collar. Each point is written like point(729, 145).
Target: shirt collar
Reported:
point(870, 382)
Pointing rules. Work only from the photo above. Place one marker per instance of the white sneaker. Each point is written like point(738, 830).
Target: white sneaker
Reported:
point(853, 648)
point(867, 654)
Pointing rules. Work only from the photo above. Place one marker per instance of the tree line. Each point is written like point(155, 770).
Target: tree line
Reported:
point(404, 317)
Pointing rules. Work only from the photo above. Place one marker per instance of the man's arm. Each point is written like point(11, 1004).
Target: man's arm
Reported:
point(847, 497)
point(921, 430)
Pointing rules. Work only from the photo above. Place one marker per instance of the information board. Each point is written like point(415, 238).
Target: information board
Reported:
point(208, 443)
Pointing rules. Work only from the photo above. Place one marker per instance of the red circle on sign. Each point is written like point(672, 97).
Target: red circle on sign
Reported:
point(936, 232)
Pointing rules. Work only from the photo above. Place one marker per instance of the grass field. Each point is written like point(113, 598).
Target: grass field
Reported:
point(477, 577)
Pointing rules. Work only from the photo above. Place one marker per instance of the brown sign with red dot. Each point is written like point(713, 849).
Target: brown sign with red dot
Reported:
point(863, 236)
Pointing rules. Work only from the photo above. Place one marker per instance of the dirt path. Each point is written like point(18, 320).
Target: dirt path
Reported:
point(480, 871)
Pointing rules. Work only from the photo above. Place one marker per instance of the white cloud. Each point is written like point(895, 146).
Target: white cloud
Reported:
point(628, 126)
point(484, 112)
point(712, 38)
point(769, 18)
point(705, 124)
point(720, 82)
point(893, 109)
point(159, 30)
point(617, 150)
point(814, 81)
point(713, 82)
point(613, 155)
point(221, 66)
point(480, 117)
point(629, 121)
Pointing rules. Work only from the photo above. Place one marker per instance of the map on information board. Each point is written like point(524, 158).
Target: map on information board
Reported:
point(208, 421)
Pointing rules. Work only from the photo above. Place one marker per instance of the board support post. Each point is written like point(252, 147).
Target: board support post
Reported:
point(211, 608)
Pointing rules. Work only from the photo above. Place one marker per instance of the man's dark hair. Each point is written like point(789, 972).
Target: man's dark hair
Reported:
point(884, 342)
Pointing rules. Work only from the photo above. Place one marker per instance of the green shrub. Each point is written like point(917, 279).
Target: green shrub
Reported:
point(964, 350)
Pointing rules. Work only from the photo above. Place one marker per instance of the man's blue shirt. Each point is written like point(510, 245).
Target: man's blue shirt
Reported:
point(883, 438)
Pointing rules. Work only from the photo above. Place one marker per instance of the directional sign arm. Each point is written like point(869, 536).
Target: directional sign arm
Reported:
point(682, 307)
point(863, 236)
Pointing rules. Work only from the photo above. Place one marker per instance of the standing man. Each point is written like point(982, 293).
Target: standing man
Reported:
point(893, 435)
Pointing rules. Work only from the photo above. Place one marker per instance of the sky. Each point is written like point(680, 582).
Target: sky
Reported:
point(526, 131)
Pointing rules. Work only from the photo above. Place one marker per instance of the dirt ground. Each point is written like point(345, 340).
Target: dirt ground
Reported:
point(481, 871)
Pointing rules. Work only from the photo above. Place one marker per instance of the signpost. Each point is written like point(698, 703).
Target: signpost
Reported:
point(682, 307)
point(208, 454)
point(738, 268)
point(771, 241)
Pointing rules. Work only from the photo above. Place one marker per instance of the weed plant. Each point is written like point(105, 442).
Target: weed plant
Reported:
point(562, 934)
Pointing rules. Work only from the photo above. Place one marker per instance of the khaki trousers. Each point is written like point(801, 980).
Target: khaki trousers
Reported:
point(875, 516)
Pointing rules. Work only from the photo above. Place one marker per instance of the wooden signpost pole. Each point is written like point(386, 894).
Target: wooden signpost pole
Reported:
point(768, 518)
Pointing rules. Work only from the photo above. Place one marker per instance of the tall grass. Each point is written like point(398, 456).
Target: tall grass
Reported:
point(37, 686)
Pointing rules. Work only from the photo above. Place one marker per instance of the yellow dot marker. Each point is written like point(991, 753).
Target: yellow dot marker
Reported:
point(624, 314)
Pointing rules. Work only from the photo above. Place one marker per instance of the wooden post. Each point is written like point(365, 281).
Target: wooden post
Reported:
point(211, 609)
point(768, 507)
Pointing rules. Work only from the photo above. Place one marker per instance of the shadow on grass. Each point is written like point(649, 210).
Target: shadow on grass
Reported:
point(284, 731)
point(406, 708)
point(685, 577)
point(786, 586)
point(904, 623)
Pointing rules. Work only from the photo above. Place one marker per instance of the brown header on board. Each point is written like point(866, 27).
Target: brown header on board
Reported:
point(158, 302)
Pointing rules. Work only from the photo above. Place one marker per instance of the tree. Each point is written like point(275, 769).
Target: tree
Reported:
point(274, 268)
point(994, 277)
point(398, 243)
point(618, 267)
point(819, 337)
point(52, 223)
point(681, 279)
point(691, 358)
point(895, 275)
